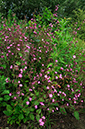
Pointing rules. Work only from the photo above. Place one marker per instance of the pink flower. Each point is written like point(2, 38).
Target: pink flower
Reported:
point(38, 82)
point(18, 81)
point(55, 72)
point(22, 94)
point(10, 94)
point(30, 89)
point(45, 76)
point(56, 60)
point(40, 120)
point(67, 104)
point(20, 75)
point(6, 80)
point(68, 85)
point(15, 97)
point(56, 77)
point(53, 100)
point(60, 76)
point(30, 99)
point(56, 108)
point(50, 95)
point(47, 87)
point(20, 85)
point(61, 68)
point(74, 56)
point(42, 123)
point(43, 117)
point(36, 107)
point(27, 102)
point(47, 108)
point(52, 110)
point(74, 101)
point(41, 103)
point(11, 67)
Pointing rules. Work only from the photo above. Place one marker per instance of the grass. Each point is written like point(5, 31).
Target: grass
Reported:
point(41, 71)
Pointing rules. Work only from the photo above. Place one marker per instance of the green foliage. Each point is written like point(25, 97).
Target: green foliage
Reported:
point(76, 114)
point(23, 8)
point(79, 16)
point(48, 66)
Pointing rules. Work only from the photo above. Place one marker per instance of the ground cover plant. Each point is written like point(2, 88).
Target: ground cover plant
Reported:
point(40, 70)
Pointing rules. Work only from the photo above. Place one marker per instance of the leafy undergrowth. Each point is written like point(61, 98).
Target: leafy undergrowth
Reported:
point(42, 70)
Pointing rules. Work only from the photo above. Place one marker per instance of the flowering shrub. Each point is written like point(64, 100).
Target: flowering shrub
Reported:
point(41, 71)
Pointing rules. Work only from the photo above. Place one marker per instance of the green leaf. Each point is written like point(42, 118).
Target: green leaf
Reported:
point(76, 115)
point(8, 113)
point(21, 117)
point(38, 111)
point(49, 65)
point(36, 103)
point(5, 92)
point(37, 117)
point(4, 66)
point(18, 63)
point(6, 97)
point(32, 116)
point(1, 99)
point(20, 54)
point(55, 104)
point(32, 109)
point(9, 107)
point(63, 111)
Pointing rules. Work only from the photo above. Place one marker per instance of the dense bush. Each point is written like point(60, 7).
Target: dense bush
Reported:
point(40, 66)
point(28, 7)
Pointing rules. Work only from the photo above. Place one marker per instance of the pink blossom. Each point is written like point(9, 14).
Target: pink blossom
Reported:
point(47, 87)
point(42, 103)
point(56, 108)
point(56, 77)
point(10, 94)
point(27, 102)
point(53, 100)
point(55, 72)
point(40, 120)
point(15, 97)
point(30, 89)
point(18, 81)
point(69, 98)
point(56, 60)
point(22, 94)
point(36, 107)
point(6, 80)
point(60, 76)
point(42, 64)
point(50, 95)
point(42, 123)
point(82, 101)
point(74, 101)
point(8, 47)
point(11, 67)
point(74, 56)
point(38, 82)
point(20, 85)
point(68, 85)
point(43, 117)
point(61, 68)
point(52, 110)
point(30, 99)
point(20, 75)
point(45, 76)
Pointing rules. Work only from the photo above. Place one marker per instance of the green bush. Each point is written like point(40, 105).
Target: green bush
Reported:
point(42, 64)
